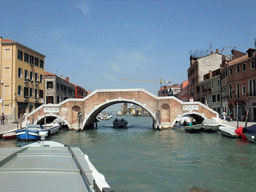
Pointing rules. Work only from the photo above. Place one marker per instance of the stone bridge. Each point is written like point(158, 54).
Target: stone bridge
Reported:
point(165, 111)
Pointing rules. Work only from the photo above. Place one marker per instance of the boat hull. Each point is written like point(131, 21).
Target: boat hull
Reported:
point(11, 135)
point(210, 128)
point(250, 137)
point(193, 128)
point(228, 131)
point(26, 134)
point(120, 124)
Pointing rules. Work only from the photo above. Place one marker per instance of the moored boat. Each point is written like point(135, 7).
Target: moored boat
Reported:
point(49, 166)
point(52, 128)
point(193, 128)
point(30, 132)
point(120, 123)
point(210, 125)
point(250, 133)
point(228, 131)
point(9, 135)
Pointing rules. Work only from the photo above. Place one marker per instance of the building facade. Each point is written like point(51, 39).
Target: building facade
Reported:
point(199, 66)
point(183, 95)
point(22, 74)
point(57, 89)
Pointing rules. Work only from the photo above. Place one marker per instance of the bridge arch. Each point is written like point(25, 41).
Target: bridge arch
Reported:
point(91, 117)
point(40, 119)
point(199, 117)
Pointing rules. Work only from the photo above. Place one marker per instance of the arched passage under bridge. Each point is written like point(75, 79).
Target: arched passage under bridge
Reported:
point(91, 117)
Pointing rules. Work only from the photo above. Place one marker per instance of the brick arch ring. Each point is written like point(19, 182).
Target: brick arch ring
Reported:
point(108, 103)
point(52, 115)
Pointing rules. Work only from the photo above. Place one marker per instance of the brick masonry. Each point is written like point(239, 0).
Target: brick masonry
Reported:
point(170, 108)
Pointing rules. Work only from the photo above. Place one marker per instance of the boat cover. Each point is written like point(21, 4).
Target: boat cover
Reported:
point(251, 129)
point(239, 132)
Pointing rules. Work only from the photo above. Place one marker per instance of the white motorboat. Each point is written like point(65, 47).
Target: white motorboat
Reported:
point(210, 125)
point(49, 166)
point(228, 131)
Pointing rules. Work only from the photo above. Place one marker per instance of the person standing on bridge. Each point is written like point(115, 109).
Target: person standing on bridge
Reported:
point(191, 99)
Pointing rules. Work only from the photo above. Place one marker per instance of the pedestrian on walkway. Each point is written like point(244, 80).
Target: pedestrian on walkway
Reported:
point(2, 119)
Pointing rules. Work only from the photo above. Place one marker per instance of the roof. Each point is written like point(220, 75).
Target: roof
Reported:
point(7, 40)
point(238, 60)
point(10, 42)
point(46, 73)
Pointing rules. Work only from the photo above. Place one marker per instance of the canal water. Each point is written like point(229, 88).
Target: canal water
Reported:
point(142, 159)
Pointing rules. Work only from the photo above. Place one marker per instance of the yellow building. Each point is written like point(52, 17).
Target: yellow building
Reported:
point(22, 79)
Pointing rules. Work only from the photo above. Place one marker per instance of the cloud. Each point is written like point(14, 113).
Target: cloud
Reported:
point(148, 47)
point(116, 68)
point(108, 77)
point(84, 8)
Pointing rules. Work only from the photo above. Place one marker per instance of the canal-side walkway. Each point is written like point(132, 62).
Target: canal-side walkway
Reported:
point(7, 128)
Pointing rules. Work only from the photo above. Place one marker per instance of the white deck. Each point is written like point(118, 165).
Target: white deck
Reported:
point(46, 169)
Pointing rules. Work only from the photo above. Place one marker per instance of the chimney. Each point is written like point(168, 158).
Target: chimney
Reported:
point(211, 52)
point(210, 73)
point(67, 79)
point(1, 39)
point(217, 50)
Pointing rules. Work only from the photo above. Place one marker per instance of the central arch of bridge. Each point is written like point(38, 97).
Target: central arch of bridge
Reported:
point(91, 117)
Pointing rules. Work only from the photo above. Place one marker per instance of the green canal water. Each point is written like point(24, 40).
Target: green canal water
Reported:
point(142, 159)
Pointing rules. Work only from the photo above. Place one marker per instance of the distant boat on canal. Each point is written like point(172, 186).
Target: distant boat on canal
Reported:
point(120, 123)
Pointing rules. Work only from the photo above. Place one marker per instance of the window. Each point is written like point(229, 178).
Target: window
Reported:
point(31, 92)
point(26, 57)
point(211, 84)
point(7, 53)
point(237, 69)
point(36, 77)
point(219, 83)
point(31, 76)
point(31, 59)
point(213, 98)
point(237, 90)
point(252, 64)
point(230, 91)
point(49, 99)
point(243, 90)
point(20, 55)
point(7, 72)
point(254, 87)
point(250, 88)
point(58, 86)
point(19, 90)
point(26, 74)
point(41, 78)
point(7, 90)
point(36, 93)
point(36, 61)
point(49, 85)
point(231, 71)
point(19, 72)
point(41, 64)
point(244, 67)
point(25, 92)
point(218, 97)
point(41, 93)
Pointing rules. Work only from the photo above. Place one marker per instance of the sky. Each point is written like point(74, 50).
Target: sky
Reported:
point(97, 43)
